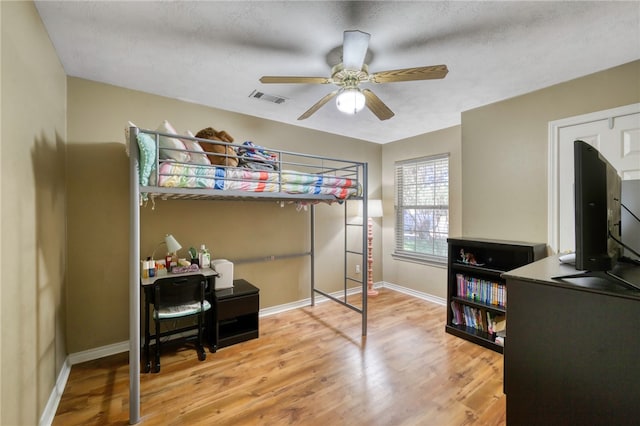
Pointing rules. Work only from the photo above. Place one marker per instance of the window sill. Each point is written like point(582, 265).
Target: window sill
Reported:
point(423, 260)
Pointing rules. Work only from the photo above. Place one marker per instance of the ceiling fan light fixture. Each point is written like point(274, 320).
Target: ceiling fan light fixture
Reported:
point(350, 101)
point(353, 71)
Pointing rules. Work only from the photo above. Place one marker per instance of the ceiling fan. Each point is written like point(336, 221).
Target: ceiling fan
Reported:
point(351, 72)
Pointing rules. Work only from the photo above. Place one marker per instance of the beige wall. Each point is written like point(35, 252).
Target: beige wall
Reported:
point(501, 191)
point(98, 209)
point(420, 277)
point(505, 148)
point(32, 307)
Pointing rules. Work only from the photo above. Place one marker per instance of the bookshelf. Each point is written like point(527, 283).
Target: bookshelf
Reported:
point(477, 292)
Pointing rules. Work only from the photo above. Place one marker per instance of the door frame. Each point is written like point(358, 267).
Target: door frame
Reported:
point(553, 173)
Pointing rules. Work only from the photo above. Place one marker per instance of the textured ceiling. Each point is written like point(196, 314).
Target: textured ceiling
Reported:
point(213, 53)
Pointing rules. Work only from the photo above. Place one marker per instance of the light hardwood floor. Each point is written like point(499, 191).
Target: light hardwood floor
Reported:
point(310, 366)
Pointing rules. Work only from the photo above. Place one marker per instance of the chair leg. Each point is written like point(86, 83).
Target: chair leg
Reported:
point(157, 350)
point(147, 338)
point(209, 328)
point(202, 355)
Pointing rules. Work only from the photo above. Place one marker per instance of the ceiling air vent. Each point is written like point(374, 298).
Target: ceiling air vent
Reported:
point(266, 97)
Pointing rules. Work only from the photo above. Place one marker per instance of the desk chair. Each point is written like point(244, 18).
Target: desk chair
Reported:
point(179, 297)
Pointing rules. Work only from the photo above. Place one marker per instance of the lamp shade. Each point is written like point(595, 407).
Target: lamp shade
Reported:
point(172, 244)
point(350, 101)
point(374, 208)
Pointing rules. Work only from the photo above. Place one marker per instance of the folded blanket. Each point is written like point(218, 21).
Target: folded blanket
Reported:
point(175, 175)
point(254, 156)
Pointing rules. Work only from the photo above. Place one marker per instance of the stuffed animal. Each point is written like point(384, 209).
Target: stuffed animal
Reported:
point(468, 257)
point(212, 134)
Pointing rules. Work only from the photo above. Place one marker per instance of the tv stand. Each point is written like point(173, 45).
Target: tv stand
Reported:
point(572, 353)
point(606, 275)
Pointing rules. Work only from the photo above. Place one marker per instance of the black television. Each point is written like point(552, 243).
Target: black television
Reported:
point(598, 215)
point(598, 191)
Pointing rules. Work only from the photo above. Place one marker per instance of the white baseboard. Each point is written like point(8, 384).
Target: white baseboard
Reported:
point(46, 419)
point(420, 295)
point(101, 352)
point(56, 394)
point(305, 302)
point(89, 355)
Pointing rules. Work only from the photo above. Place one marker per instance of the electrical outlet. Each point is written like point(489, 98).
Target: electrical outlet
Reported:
point(357, 269)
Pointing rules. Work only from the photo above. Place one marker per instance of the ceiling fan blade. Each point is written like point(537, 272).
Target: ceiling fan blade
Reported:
point(318, 105)
point(410, 74)
point(376, 105)
point(354, 49)
point(284, 79)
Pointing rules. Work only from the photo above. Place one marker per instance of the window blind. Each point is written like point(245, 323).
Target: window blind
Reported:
point(422, 207)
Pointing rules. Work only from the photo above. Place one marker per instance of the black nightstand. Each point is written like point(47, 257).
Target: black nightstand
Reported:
point(236, 312)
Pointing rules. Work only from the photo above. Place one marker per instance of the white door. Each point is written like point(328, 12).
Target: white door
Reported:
point(615, 134)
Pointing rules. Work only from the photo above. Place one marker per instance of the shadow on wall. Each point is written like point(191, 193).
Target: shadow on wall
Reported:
point(97, 184)
point(49, 261)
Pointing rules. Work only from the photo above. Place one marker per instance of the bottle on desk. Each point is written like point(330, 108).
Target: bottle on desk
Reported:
point(147, 268)
point(204, 257)
point(144, 268)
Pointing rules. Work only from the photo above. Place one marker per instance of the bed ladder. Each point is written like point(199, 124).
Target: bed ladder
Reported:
point(348, 253)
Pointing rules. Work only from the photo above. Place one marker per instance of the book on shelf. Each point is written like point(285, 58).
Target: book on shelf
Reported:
point(481, 290)
point(469, 316)
point(496, 322)
point(455, 317)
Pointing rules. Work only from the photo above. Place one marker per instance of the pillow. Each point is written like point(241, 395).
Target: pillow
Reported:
point(147, 150)
point(147, 147)
point(168, 145)
point(195, 146)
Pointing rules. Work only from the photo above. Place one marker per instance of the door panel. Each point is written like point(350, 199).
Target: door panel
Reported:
point(617, 139)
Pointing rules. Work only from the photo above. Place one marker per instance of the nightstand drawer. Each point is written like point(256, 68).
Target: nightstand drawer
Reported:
point(237, 306)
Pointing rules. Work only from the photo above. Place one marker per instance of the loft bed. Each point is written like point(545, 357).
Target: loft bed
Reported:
point(166, 166)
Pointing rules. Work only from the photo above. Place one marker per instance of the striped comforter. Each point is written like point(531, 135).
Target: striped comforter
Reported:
point(176, 175)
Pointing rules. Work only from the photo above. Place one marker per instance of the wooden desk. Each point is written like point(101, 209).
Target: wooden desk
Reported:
point(572, 352)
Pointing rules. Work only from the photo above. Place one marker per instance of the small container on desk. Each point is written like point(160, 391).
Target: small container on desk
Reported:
point(224, 268)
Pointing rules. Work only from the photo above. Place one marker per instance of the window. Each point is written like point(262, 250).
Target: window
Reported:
point(422, 208)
